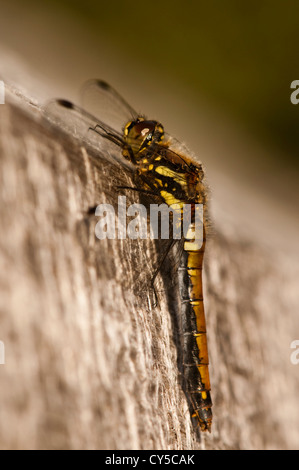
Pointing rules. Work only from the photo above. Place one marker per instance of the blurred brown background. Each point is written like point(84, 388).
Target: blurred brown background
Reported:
point(218, 76)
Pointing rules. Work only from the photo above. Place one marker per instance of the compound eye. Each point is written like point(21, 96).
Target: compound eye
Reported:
point(141, 134)
point(145, 129)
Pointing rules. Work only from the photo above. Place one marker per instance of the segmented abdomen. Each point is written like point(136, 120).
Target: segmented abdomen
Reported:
point(193, 333)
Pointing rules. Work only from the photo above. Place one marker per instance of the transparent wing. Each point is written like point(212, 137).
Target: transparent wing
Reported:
point(100, 99)
point(81, 124)
point(169, 255)
point(179, 148)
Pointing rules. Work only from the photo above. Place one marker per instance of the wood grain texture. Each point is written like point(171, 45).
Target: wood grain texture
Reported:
point(88, 364)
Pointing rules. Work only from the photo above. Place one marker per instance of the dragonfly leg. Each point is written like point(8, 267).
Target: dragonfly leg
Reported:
point(152, 302)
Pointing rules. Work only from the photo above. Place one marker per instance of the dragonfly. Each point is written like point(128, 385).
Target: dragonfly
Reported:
point(164, 169)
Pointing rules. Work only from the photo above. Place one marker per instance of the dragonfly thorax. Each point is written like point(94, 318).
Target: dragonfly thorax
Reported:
point(141, 135)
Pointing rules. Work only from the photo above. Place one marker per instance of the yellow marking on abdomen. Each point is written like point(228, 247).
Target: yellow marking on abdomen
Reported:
point(177, 177)
point(171, 200)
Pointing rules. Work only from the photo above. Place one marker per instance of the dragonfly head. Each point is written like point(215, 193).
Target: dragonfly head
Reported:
point(141, 134)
